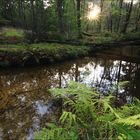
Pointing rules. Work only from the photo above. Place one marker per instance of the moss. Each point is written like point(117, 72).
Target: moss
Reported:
point(48, 52)
point(11, 35)
point(60, 49)
point(12, 32)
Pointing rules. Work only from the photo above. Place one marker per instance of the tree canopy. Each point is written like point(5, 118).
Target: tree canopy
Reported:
point(70, 18)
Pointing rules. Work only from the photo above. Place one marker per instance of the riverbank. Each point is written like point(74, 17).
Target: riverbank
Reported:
point(47, 53)
point(36, 54)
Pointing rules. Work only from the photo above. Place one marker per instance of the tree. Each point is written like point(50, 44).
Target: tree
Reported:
point(60, 7)
point(101, 6)
point(79, 18)
point(138, 19)
point(120, 14)
point(128, 15)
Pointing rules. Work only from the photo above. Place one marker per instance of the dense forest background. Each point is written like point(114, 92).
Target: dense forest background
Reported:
point(69, 19)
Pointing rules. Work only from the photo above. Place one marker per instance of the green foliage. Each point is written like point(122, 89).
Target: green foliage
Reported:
point(10, 32)
point(49, 52)
point(51, 48)
point(42, 18)
point(4, 22)
point(86, 116)
point(68, 115)
point(124, 84)
point(133, 120)
point(132, 36)
point(108, 37)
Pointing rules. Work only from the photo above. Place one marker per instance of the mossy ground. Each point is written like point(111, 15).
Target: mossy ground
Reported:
point(45, 47)
point(9, 32)
point(11, 35)
point(39, 53)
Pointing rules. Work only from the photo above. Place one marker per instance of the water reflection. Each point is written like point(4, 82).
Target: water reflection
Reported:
point(24, 99)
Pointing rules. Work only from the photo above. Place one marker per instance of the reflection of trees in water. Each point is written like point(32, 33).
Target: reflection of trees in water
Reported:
point(130, 71)
point(137, 83)
point(112, 74)
point(21, 91)
point(20, 94)
point(20, 113)
point(108, 76)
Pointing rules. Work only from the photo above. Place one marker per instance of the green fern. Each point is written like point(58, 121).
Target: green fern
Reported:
point(126, 132)
point(133, 120)
point(86, 116)
point(68, 117)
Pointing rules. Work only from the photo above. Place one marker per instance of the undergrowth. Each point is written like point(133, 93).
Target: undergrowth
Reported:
point(9, 32)
point(108, 37)
point(87, 116)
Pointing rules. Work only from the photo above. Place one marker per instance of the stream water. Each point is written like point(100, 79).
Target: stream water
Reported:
point(24, 100)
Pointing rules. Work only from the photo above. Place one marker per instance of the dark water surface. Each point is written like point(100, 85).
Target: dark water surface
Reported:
point(24, 99)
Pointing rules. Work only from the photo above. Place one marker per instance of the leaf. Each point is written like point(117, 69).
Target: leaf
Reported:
point(127, 132)
point(133, 120)
point(69, 117)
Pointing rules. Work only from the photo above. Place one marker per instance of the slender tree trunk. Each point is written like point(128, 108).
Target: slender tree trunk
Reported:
point(60, 15)
point(138, 19)
point(119, 19)
point(128, 17)
point(33, 22)
point(19, 12)
point(24, 16)
point(111, 18)
point(101, 6)
point(137, 24)
point(79, 18)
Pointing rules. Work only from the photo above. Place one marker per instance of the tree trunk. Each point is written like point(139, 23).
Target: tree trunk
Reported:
point(138, 19)
point(128, 17)
point(119, 19)
point(79, 18)
point(101, 6)
point(33, 26)
point(137, 24)
point(60, 15)
point(111, 18)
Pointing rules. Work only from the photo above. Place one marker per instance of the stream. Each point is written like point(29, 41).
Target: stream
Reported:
point(25, 105)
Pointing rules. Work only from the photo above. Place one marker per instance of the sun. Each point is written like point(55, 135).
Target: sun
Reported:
point(94, 13)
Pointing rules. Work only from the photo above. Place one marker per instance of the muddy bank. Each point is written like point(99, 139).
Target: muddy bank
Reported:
point(43, 54)
point(37, 54)
point(116, 43)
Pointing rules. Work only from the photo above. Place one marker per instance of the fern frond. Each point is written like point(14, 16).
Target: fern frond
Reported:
point(133, 120)
point(68, 116)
